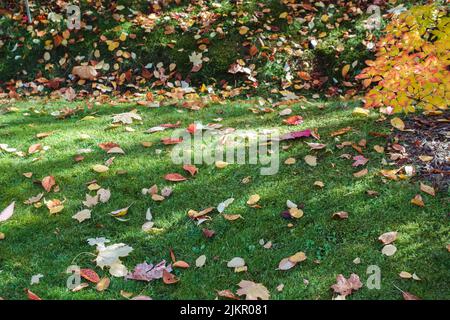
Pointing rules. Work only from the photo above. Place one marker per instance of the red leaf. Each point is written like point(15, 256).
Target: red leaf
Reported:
point(168, 141)
point(175, 177)
point(31, 295)
point(90, 275)
point(208, 233)
point(294, 120)
point(48, 182)
point(191, 128)
point(296, 135)
point(191, 169)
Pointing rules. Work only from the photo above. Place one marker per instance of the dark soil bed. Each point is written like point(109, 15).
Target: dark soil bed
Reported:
point(427, 148)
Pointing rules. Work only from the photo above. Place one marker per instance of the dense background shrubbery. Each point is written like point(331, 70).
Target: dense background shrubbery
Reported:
point(298, 46)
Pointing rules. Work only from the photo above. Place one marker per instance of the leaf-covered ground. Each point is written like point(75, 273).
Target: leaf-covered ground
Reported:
point(38, 243)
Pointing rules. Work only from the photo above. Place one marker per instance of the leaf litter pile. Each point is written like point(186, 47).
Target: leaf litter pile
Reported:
point(426, 142)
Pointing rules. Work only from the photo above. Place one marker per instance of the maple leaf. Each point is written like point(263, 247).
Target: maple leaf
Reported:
point(359, 161)
point(126, 118)
point(345, 286)
point(196, 58)
point(253, 291)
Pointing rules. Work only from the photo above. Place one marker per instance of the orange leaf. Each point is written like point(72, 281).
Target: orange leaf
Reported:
point(48, 183)
point(181, 264)
point(169, 278)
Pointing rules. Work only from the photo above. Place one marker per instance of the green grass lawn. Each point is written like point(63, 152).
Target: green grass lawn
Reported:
point(37, 242)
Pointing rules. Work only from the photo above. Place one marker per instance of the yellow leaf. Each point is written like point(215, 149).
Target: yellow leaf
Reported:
point(345, 70)
point(243, 30)
point(253, 199)
point(398, 124)
point(100, 168)
point(296, 213)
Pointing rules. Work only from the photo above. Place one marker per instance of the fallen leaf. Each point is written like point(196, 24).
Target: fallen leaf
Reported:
point(200, 261)
point(120, 213)
point(253, 199)
point(311, 160)
point(345, 286)
point(253, 291)
point(181, 264)
point(340, 215)
point(236, 262)
point(31, 295)
point(191, 169)
point(7, 212)
point(174, 177)
point(48, 183)
point(99, 168)
point(409, 296)
point(286, 264)
point(398, 123)
point(359, 161)
point(427, 189)
point(103, 284)
point(221, 164)
point(389, 250)
point(232, 217)
point(418, 201)
point(388, 237)
point(294, 120)
point(405, 275)
point(82, 215)
point(298, 257)
point(361, 173)
point(90, 275)
point(169, 278)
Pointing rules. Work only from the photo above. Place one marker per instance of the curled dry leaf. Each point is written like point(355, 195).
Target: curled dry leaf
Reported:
point(193, 170)
point(427, 189)
point(103, 284)
point(388, 237)
point(227, 294)
point(340, 215)
point(418, 201)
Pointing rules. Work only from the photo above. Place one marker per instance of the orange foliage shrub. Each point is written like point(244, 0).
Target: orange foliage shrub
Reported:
point(411, 68)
